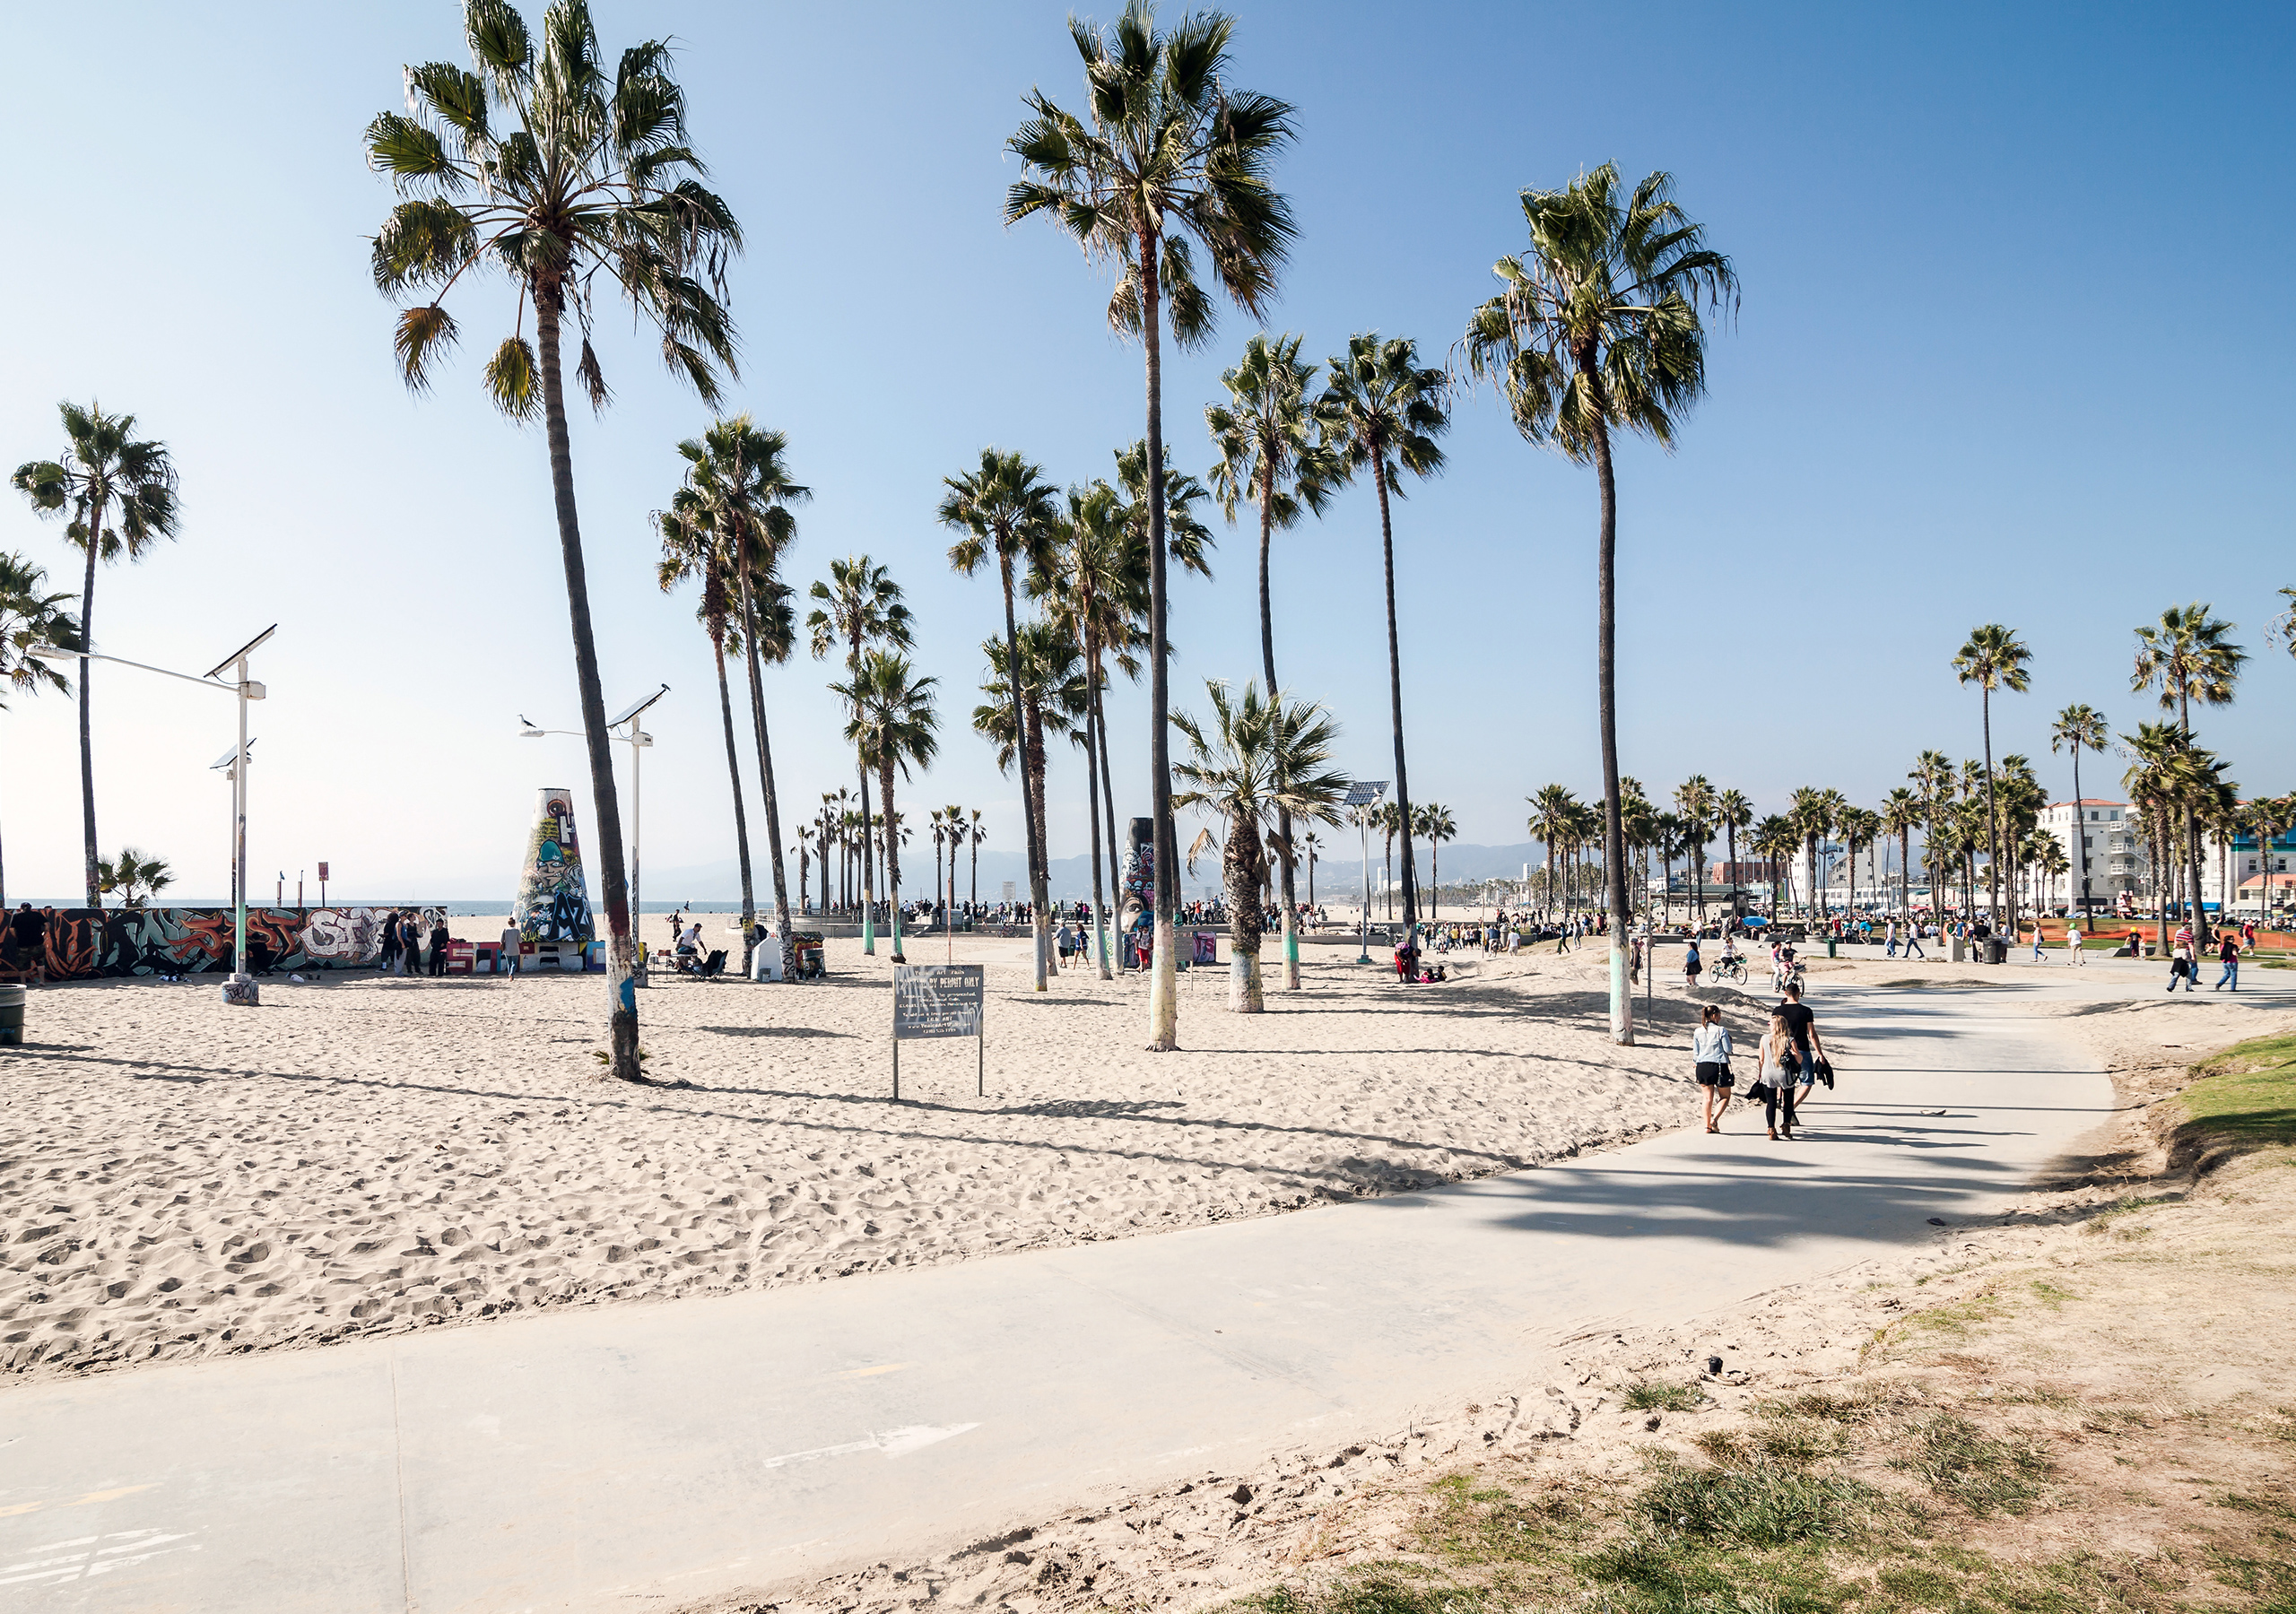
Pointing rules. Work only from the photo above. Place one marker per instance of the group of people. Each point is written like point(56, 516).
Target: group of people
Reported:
point(1790, 1061)
point(403, 944)
point(2183, 966)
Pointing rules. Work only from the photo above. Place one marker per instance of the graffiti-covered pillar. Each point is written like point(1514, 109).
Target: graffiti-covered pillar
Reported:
point(1136, 907)
point(553, 905)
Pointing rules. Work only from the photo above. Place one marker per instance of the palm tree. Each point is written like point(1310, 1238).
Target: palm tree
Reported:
point(1696, 801)
point(952, 819)
point(1775, 840)
point(826, 821)
point(135, 877)
point(1314, 848)
point(1901, 812)
point(691, 547)
point(1050, 682)
point(1258, 757)
point(31, 620)
point(1006, 508)
point(584, 182)
point(2282, 629)
point(1435, 827)
point(2189, 656)
point(1381, 411)
point(1732, 814)
point(2082, 728)
point(940, 838)
point(892, 725)
point(1387, 818)
point(1993, 658)
point(1094, 590)
point(1597, 328)
point(119, 492)
point(979, 834)
point(1860, 827)
point(1551, 811)
point(1173, 153)
point(1932, 775)
point(859, 608)
point(1269, 453)
point(1812, 818)
point(738, 476)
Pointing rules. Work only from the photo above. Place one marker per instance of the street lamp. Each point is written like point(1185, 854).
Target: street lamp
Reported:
point(1362, 795)
point(638, 740)
point(241, 988)
point(228, 765)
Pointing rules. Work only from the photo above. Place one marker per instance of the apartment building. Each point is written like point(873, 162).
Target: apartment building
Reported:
point(2114, 841)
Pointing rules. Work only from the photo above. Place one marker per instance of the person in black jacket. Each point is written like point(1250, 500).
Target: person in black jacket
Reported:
point(438, 940)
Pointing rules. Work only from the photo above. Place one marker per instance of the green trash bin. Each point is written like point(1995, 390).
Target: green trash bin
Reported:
point(1833, 948)
point(12, 1016)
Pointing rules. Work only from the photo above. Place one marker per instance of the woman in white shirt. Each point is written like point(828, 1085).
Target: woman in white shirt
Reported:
point(1710, 1048)
point(1777, 1077)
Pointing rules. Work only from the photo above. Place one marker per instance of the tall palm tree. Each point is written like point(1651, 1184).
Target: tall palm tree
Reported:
point(1387, 818)
point(892, 725)
point(1006, 510)
point(1732, 814)
point(1435, 827)
point(1053, 700)
point(1901, 814)
point(2282, 629)
point(739, 476)
point(1270, 454)
point(858, 610)
point(979, 834)
point(1313, 846)
point(2080, 727)
point(1860, 827)
point(1381, 411)
point(31, 620)
point(1696, 801)
point(1597, 329)
point(1775, 840)
point(538, 165)
point(1254, 758)
point(1993, 658)
point(118, 494)
point(1812, 816)
point(1551, 811)
point(691, 547)
point(1173, 153)
point(940, 827)
point(952, 818)
point(2188, 656)
point(1932, 776)
point(1095, 591)
point(826, 822)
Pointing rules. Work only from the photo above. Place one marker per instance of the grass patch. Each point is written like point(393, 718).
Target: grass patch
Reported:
point(1658, 1395)
point(2245, 1099)
point(1984, 1473)
point(2052, 1297)
point(1766, 1504)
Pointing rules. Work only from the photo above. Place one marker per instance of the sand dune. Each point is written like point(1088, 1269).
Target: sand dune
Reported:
point(363, 1155)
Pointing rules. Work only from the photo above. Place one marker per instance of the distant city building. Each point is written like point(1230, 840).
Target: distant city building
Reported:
point(1760, 872)
point(2115, 840)
point(2265, 876)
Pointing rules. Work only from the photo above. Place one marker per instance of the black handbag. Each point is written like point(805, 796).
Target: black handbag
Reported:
point(1761, 1091)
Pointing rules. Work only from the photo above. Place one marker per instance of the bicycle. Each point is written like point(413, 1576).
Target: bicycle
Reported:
point(1732, 969)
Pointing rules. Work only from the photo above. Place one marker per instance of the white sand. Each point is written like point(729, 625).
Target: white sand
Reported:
point(178, 1178)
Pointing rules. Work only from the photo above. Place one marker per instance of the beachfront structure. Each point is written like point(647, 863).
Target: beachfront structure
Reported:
point(2117, 861)
point(2260, 879)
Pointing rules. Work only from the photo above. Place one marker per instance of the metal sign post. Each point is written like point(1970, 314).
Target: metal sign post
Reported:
point(941, 1000)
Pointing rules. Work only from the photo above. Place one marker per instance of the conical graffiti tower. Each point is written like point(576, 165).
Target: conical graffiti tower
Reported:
point(553, 899)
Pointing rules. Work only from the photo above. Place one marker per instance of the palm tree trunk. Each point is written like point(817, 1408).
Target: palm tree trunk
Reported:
point(1108, 800)
point(765, 777)
point(87, 738)
point(1093, 794)
point(1243, 863)
point(613, 886)
point(1033, 785)
point(1267, 664)
point(1038, 929)
point(741, 813)
point(1163, 981)
point(1992, 821)
point(1607, 681)
point(1394, 704)
point(893, 848)
point(868, 870)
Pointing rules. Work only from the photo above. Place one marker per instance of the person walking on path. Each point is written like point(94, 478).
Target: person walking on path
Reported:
point(1710, 1051)
point(1691, 965)
point(506, 958)
point(2228, 952)
point(1776, 1080)
point(2039, 957)
point(1913, 942)
point(2072, 944)
point(439, 941)
point(1809, 1049)
point(2182, 965)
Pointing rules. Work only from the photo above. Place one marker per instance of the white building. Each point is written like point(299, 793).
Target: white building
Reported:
point(2114, 841)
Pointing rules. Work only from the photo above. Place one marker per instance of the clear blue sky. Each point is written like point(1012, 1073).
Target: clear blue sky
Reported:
point(2011, 348)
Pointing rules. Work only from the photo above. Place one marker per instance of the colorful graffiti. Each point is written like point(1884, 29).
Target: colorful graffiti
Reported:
point(553, 899)
point(86, 945)
point(1137, 894)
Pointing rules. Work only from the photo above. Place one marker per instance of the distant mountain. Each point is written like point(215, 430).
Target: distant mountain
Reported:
point(1339, 870)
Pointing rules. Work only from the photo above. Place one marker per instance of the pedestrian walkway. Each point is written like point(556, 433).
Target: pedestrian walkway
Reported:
point(582, 1459)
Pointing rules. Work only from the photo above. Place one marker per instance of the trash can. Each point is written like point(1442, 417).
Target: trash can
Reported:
point(1956, 951)
point(1996, 950)
point(12, 1016)
point(1833, 948)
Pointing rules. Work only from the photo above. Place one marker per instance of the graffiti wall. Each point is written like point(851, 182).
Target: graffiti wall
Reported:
point(83, 944)
point(553, 892)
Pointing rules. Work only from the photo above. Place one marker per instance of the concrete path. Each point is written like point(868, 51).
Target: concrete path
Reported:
point(641, 1455)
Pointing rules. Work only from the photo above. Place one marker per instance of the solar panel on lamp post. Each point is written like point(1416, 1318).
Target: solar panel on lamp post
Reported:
point(1362, 795)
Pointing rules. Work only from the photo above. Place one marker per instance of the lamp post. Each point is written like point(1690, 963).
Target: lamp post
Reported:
point(637, 739)
point(1362, 795)
point(241, 988)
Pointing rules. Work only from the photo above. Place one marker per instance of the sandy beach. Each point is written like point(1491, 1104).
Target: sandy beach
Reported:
point(358, 1155)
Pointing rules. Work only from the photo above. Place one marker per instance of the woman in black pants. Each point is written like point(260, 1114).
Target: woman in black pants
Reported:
point(1780, 1070)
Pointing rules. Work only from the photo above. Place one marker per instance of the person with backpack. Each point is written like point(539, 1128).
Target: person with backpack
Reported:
point(2228, 952)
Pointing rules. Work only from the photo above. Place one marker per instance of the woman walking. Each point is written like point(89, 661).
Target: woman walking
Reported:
point(1691, 965)
point(1779, 1071)
point(1709, 1049)
point(388, 958)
